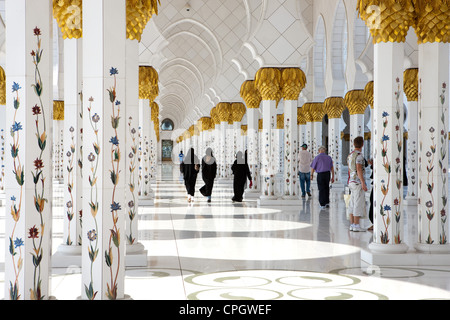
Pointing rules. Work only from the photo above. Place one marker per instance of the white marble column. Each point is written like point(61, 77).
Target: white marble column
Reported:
point(104, 136)
point(267, 168)
point(69, 252)
point(410, 85)
point(317, 114)
point(28, 173)
point(306, 108)
point(136, 255)
point(388, 158)
point(253, 151)
point(290, 150)
point(146, 196)
point(334, 106)
point(433, 227)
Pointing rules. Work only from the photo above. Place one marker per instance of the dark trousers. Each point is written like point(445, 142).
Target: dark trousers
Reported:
point(323, 184)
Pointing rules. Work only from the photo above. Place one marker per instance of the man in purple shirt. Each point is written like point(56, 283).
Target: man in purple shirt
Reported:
point(323, 165)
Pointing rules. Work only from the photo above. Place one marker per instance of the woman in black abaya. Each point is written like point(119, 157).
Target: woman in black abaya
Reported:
point(190, 168)
point(241, 173)
point(209, 170)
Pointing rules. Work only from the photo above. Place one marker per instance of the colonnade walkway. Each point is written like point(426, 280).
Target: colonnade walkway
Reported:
point(225, 250)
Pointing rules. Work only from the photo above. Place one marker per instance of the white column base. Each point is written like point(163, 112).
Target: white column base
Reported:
point(146, 201)
point(337, 186)
point(433, 248)
point(224, 180)
point(125, 297)
point(410, 201)
point(136, 255)
point(273, 201)
point(409, 258)
point(67, 256)
point(251, 194)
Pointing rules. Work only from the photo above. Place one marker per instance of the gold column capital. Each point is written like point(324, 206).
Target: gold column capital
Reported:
point(224, 110)
point(268, 83)
point(316, 111)
point(215, 115)
point(237, 111)
point(411, 84)
point(432, 20)
point(300, 117)
point(139, 13)
point(307, 112)
point(356, 101)
point(293, 80)
point(205, 124)
point(148, 83)
point(69, 14)
point(2, 87)
point(333, 107)
point(387, 20)
point(58, 110)
point(260, 124)
point(368, 93)
point(155, 111)
point(250, 94)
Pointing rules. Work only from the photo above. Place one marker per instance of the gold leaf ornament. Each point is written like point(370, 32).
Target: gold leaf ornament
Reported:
point(268, 83)
point(334, 106)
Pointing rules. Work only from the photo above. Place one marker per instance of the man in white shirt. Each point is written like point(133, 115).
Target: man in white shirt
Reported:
point(357, 185)
point(304, 170)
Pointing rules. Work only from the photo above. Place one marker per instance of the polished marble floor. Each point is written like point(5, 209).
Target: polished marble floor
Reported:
point(225, 250)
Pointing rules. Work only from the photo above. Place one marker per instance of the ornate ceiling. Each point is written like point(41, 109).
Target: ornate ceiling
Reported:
point(205, 49)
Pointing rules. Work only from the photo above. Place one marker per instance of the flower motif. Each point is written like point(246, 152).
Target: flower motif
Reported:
point(15, 87)
point(18, 242)
point(429, 204)
point(37, 31)
point(69, 204)
point(385, 114)
point(115, 206)
point(117, 103)
point(16, 127)
point(385, 138)
point(33, 233)
point(92, 235)
point(13, 198)
point(91, 157)
point(71, 129)
point(431, 129)
point(387, 208)
point(113, 71)
point(131, 204)
point(38, 164)
point(95, 118)
point(114, 141)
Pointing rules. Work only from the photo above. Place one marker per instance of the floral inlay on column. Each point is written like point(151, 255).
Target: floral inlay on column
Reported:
point(93, 159)
point(442, 159)
point(16, 205)
point(385, 208)
point(70, 176)
point(114, 238)
point(398, 166)
point(38, 176)
point(132, 182)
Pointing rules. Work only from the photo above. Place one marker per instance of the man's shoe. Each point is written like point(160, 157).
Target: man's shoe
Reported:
point(303, 195)
point(357, 228)
point(309, 194)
